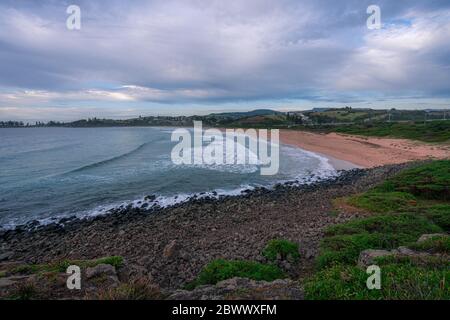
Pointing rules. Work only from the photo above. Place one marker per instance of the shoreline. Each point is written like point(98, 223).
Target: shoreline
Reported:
point(347, 151)
point(200, 230)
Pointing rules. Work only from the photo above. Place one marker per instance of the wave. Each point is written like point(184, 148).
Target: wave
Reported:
point(161, 202)
point(49, 149)
point(103, 162)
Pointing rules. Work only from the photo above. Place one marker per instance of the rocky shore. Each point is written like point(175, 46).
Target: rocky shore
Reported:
point(170, 246)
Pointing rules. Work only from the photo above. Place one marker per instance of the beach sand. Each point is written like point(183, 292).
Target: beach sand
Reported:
point(345, 151)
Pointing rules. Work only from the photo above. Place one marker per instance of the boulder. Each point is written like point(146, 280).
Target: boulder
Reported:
point(426, 237)
point(6, 255)
point(367, 257)
point(101, 270)
point(242, 288)
point(169, 249)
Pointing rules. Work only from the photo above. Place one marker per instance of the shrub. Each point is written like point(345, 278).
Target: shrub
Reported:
point(24, 291)
point(140, 289)
point(397, 282)
point(220, 269)
point(283, 248)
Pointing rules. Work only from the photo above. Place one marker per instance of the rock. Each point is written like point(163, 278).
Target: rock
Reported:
point(9, 281)
point(241, 288)
point(366, 257)
point(426, 237)
point(6, 255)
point(101, 269)
point(170, 249)
point(405, 251)
point(6, 282)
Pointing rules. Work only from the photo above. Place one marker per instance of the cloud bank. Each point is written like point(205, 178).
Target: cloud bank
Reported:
point(152, 56)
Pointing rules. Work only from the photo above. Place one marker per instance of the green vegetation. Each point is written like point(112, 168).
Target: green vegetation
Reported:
point(220, 269)
point(281, 248)
point(382, 202)
point(437, 244)
point(344, 242)
point(398, 281)
point(428, 126)
point(424, 261)
point(61, 266)
point(24, 291)
point(439, 214)
point(434, 131)
point(413, 203)
point(430, 181)
point(140, 289)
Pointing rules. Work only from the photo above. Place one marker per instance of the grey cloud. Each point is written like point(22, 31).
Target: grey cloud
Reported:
point(225, 50)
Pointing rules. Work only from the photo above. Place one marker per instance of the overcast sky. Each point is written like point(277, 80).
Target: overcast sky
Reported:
point(196, 56)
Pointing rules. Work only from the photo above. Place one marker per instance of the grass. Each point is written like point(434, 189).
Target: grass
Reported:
point(437, 244)
point(398, 281)
point(140, 289)
point(24, 291)
point(344, 242)
point(381, 202)
point(440, 215)
point(220, 269)
point(61, 266)
point(281, 248)
point(425, 261)
point(435, 131)
point(406, 226)
point(429, 181)
point(413, 203)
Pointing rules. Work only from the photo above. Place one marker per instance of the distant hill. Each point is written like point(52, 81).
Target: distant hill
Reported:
point(246, 114)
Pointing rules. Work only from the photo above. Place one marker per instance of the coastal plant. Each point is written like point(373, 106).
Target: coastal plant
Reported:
point(283, 249)
point(398, 282)
point(138, 289)
point(24, 291)
point(220, 269)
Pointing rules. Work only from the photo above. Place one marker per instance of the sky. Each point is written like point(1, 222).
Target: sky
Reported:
point(169, 57)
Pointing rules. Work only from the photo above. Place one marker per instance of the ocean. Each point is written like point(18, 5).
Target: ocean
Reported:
point(50, 173)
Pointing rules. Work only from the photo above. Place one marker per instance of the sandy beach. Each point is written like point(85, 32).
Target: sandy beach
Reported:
point(344, 150)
